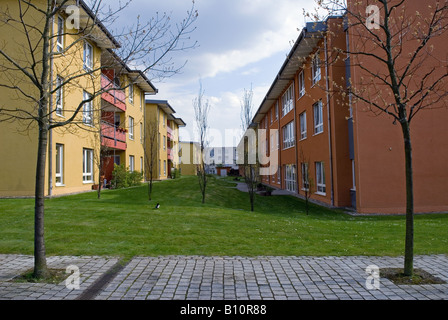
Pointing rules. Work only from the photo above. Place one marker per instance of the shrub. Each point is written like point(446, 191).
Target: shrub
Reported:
point(123, 178)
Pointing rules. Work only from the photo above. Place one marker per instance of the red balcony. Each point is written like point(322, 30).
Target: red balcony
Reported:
point(113, 137)
point(170, 154)
point(112, 94)
point(169, 133)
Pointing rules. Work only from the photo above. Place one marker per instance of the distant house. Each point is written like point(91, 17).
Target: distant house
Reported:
point(220, 159)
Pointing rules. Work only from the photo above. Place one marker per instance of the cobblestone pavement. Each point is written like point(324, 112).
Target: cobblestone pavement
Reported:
point(223, 278)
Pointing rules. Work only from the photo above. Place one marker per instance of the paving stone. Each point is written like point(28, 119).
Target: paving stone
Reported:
point(205, 278)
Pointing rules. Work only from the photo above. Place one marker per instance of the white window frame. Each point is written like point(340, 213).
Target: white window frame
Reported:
point(59, 96)
point(318, 117)
point(302, 123)
point(59, 174)
point(288, 100)
point(276, 110)
point(87, 111)
point(60, 34)
point(316, 68)
point(131, 93)
point(141, 132)
point(290, 178)
point(88, 56)
point(301, 80)
point(305, 177)
point(320, 178)
point(131, 163)
point(87, 175)
point(279, 175)
point(288, 135)
point(131, 128)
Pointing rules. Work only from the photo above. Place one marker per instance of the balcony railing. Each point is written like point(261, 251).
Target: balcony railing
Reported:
point(113, 137)
point(170, 154)
point(112, 94)
point(169, 132)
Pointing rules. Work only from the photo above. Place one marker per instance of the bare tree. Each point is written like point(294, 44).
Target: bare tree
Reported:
point(151, 150)
point(27, 63)
point(201, 110)
point(250, 165)
point(394, 50)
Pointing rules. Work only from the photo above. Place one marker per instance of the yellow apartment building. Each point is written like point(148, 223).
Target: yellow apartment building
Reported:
point(123, 115)
point(189, 153)
point(160, 115)
point(75, 60)
point(83, 67)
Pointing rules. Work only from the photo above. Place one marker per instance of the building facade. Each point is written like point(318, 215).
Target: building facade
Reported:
point(163, 147)
point(86, 75)
point(333, 146)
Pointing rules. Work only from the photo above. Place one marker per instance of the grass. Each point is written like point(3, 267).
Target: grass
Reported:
point(124, 223)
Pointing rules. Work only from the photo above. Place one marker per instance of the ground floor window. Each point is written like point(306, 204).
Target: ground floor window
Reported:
point(290, 177)
point(87, 166)
point(131, 163)
point(305, 177)
point(279, 175)
point(59, 164)
point(320, 178)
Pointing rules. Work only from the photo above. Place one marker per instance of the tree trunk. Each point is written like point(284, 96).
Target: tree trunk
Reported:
point(409, 243)
point(150, 188)
point(40, 263)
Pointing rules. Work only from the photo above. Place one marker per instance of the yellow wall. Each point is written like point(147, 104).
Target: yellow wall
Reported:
point(18, 165)
point(135, 110)
point(188, 152)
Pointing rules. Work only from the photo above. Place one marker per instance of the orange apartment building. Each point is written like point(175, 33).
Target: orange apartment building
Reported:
point(354, 159)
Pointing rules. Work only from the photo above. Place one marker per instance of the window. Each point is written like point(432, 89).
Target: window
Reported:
point(276, 110)
point(141, 164)
point(270, 112)
point(131, 93)
point(87, 166)
point(301, 84)
point(315, 68)
point(88, 56)
point(288, 100)
point(141, 132)
point(131, 128)
point(288, 135)
point(290, 177)
point(320, 177)
point(279, 175)
point(59, 95)
point(131, 163)
point(305, 178)
point(164, 167)
point(164, 119)
point(87, 111)
point(159, 168)
point(318, 118)
point(164, 143)
point(302, 119)
point(60, 35)
point(59, 164)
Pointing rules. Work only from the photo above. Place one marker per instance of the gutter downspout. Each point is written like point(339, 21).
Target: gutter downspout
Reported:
point(329, 121)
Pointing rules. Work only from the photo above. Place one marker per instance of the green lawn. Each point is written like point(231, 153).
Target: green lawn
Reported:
point(124, 223)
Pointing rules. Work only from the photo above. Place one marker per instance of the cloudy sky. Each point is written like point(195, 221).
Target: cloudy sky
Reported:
point(241, 44)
